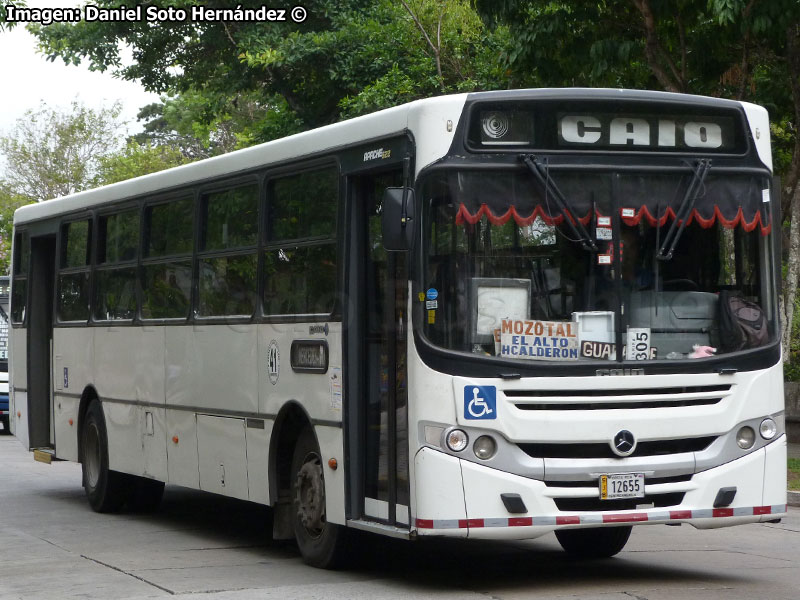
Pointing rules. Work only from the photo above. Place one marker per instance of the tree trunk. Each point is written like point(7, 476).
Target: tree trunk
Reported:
point(793, 269)
point(793, 261)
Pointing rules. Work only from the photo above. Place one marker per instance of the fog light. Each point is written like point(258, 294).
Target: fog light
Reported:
point(768, 429)
point(746, 437)
point(484, 447)
point(457, 440)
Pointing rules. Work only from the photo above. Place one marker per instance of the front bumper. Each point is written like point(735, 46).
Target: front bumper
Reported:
point(458, 498)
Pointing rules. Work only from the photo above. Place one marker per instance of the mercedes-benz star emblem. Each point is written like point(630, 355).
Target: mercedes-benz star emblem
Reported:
point(623, 443)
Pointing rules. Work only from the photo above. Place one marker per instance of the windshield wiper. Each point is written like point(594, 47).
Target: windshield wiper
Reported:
point(577, 228)
point(684, 210)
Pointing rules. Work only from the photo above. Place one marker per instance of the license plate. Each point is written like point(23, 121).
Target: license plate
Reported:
point(622, 485)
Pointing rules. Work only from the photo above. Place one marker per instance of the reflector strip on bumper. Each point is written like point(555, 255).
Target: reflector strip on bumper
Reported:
point(599, 518)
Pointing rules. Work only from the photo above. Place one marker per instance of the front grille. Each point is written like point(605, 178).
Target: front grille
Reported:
point(618, 405)
point(672, 391)
point(593, 482)
point(603, 450)
point(595, 504)
point(616, 399)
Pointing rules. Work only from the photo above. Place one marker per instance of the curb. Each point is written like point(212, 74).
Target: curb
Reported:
point(793, 498)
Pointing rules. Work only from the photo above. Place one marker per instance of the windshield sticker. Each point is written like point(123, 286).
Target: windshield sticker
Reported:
point(480, 402)
point(432, 304)
point(603, 259)
point(765, 195)
point(604, 233)
point(431, 317)
point(638, 347)
point(604, 221)
point(539, 340)
point(421, 296)
point(628, 212)
point(432, 294)
point(602, 350)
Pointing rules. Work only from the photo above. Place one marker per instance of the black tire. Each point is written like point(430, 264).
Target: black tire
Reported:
point(106, 490)
point(146, 495)
point(593, 542)
point(321, 544)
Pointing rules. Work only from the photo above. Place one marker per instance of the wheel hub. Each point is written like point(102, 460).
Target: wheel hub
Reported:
point(310, 496)
point(91, 459)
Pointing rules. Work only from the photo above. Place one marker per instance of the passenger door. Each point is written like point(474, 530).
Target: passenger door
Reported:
point(377, 334)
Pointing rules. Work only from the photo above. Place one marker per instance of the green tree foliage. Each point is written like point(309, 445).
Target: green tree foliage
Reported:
point(264, 80)
point(51, 153)
point(137, 159)
point(9, 202)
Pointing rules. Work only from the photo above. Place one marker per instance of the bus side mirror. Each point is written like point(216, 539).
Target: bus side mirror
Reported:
point(397, 219)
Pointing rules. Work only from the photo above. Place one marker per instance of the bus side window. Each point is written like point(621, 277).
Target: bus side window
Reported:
point(167, 260)
point(300, 259)
point(230, 225)
point(19, 293)
point(73, 279)
point(115, 276)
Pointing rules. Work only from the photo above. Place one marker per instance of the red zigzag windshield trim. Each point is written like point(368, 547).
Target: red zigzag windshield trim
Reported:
point(464, 216)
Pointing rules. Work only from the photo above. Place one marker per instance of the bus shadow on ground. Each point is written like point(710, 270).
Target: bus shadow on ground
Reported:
point(435, 563)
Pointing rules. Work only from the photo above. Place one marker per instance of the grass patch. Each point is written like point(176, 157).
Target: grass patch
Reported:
point(794, 474)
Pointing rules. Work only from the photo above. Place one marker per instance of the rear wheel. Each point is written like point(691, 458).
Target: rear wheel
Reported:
point(594, 542)
point(321, 543)
point(106, 490)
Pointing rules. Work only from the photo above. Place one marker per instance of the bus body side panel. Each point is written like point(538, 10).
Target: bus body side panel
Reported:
point(73, 360)
point(210, 369)
point(129, 371)
point(222, 455)
point(258, 459)
point(429, 401)
point(18, 384)
point(320, 394)
point(775, 475)
point(428, 121)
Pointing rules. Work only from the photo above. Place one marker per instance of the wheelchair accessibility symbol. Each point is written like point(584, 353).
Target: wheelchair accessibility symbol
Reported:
point(480, 402)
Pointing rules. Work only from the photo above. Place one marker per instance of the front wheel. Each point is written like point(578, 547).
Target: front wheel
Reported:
point(106, 490)
point(321, 543)
point(593, 542)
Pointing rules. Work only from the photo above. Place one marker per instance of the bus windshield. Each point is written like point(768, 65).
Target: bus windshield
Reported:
point(567, 265)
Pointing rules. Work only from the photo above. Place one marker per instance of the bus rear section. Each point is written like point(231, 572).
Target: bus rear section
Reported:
point(596, 320)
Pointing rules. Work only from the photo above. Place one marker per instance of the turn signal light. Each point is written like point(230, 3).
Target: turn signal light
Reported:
point(457, 440)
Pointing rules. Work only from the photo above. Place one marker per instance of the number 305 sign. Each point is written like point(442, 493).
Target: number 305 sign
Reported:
point(638, 343)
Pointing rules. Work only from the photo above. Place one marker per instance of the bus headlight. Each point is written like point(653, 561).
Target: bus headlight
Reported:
point(456, 440)
point(768, 429)
point(484, 447)
point(746, 437)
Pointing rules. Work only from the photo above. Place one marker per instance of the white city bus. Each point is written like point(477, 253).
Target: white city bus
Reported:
point(489, 315)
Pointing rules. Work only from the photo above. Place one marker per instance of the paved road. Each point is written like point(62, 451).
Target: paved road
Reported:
point(206, 548)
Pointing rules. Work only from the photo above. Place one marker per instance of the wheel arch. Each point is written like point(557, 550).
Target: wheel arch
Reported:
point(292, 419)
point(89, 394)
